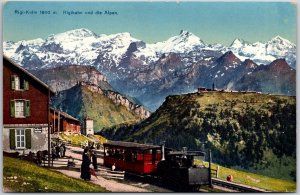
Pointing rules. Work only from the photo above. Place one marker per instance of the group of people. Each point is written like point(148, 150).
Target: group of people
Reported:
point(89, 163)
point(58, 150)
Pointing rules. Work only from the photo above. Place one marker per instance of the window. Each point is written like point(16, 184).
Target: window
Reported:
point(20, 138)
point(19, 83)
point(19, 108)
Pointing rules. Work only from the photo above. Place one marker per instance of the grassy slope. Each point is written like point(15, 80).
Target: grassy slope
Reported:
point(101, 139)
point(80, 102)
point(167, 114)
point(40, 179)
point(255, 180)
point(180, 121)
point(104, 111)
point(75, 139)
point(80, 140)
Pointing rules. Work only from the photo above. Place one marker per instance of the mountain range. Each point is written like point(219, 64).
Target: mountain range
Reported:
point(151, 72)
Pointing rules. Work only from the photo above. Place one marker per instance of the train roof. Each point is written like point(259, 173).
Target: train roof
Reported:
point(132, 145)
point(186, 153)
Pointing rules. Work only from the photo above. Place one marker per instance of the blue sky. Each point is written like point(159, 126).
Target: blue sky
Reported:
point(213, 22)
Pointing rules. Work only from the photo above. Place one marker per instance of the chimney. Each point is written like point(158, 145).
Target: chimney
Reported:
point(163, 151)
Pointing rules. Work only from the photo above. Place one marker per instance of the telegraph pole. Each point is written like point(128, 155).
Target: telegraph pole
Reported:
point(49, 148)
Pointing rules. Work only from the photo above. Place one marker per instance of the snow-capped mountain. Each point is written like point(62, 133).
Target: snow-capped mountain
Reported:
point(264, 53)
point(185, 42)
point(150, 72)
point(82, 46)
point(79, 46)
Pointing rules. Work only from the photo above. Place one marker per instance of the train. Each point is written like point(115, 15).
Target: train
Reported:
point(175, 168)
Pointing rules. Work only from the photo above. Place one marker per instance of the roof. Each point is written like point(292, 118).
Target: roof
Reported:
point(66, 115)
point(131, 145)
point(187, 153)
point(27, 73)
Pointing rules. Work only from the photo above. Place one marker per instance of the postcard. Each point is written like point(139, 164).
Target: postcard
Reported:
point(149, 96)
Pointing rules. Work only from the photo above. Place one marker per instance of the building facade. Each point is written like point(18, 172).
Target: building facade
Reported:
point(25, 110)
point(62, 122)
point(88, 126)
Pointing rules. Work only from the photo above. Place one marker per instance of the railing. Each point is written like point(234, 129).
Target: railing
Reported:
point(215, 172)
point(236, 186)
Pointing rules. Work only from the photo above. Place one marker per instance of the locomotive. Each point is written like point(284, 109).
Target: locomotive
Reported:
point(172, 167)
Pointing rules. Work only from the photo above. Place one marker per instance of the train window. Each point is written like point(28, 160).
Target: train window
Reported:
point(134, 156)
point(148, 151)
point(140, 156)
point(158, 155)
point(109, 152)
point(128, 155)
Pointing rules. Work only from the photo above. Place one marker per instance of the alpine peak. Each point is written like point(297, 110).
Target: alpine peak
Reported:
point(279, 40)
point(78, 33)
point(184, 32)
point(279, 65)
point(237, 43)
point(228, 57)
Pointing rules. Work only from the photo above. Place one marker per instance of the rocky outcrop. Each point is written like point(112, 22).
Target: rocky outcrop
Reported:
point(65, 77)
point(119, 99)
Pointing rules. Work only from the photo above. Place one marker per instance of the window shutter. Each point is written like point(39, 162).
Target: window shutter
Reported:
point(27, 108)
point(12, 108)
point(26, 85)
point(28, 138)
point(12, 139)
point(13, 82)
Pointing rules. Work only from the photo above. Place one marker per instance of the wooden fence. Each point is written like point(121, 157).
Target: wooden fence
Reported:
point(215, 172)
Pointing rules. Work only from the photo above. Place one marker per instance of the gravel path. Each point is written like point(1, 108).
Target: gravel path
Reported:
point(108, 184)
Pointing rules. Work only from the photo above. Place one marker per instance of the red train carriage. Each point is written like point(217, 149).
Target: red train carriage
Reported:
point(132, 157)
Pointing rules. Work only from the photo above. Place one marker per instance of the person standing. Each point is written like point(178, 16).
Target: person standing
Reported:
point(64, 149)
point(94, 160)
point(85, 166)
point(53, 152)
point(57, 150)
point(61, 151)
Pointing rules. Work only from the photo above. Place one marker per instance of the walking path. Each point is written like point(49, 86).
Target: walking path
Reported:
point(103, 173)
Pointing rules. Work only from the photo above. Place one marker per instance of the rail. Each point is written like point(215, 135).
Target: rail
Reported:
point(235, 186)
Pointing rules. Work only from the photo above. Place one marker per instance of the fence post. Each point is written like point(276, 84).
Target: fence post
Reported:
point(218, 167)
point(210, 179)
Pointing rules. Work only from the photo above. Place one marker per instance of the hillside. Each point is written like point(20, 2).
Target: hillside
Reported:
point(32, 178)
point(251, 131)
point(81, 102)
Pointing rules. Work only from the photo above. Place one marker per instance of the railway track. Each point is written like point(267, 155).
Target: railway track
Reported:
point(120, 176)
point(237, 187)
